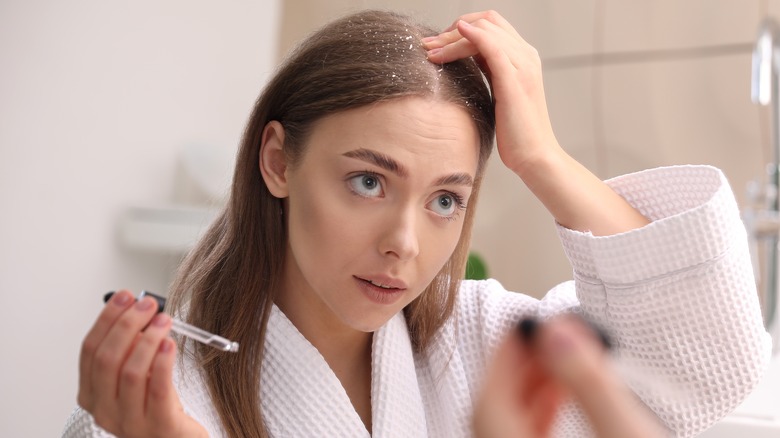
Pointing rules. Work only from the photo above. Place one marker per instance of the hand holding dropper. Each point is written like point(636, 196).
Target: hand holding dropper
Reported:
point(188, 330)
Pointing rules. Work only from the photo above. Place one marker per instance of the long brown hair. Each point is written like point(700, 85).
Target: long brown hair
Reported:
point(227, 283)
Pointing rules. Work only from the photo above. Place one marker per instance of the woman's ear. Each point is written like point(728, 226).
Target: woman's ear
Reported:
point(273, 163)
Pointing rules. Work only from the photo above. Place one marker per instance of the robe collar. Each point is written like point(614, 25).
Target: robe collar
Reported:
point(301, 396)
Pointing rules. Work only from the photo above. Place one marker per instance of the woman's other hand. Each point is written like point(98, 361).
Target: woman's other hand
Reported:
point(529, 380)
point(125, 372)
point(526, 143)
point(518, 399)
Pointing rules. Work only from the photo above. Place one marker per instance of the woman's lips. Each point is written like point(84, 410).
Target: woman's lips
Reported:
point(383, 281)
point(381, 290)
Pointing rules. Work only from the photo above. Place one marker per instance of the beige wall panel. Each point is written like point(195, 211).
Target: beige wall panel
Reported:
point(707, 116)
point(301, 17)
point(437, 13)
point(627, 119)
point(685, 112)
point(772, 8)
point(513, 230)
point(569, 94)
point(555, 28)
point(516, 235)
point(631, 25)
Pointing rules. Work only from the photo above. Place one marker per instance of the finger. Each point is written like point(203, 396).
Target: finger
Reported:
point(505, 377)
point(577, 357)
point(538, 394)
point(162, 401)
point(508, 67)
point(118, 304)
point(496, 45)
point(475, 41)
point(460, 49)
point(451, 34)
point(544, 407)
point(537, 375)
point(534, 377)
point(134, 376)
point(114, 349)
point(490, 15)
point(498, 406)
point(456, 45)
point(574, 354)
point(442, 39)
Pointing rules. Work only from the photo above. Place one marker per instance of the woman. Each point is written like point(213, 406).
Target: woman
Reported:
point(337, 260)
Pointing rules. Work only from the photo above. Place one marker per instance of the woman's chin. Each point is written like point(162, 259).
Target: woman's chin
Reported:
point(369, 323)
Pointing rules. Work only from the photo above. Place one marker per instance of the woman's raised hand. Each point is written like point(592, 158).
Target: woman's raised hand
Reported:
point(125, 372)
point(523, 130)
point(526, 143)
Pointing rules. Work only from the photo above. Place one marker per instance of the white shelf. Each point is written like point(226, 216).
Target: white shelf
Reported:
point(168, 229)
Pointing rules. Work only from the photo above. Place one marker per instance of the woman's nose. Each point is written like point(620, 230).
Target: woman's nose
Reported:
point(400, 236)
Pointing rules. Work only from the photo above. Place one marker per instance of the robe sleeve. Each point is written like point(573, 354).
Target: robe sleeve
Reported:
point(678, 296)
point(80, 424)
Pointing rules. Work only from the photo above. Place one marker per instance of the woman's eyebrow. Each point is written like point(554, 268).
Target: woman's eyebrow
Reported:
point(381, 160)
point(378, 159)
point(456, 179)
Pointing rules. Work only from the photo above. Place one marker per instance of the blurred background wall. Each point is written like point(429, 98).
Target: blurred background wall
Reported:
point(98, 101)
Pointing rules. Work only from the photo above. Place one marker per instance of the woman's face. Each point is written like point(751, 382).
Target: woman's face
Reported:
point(375, 208)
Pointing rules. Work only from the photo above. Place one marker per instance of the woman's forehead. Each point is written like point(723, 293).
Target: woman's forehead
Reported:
point(425, 137)
point(412, 124)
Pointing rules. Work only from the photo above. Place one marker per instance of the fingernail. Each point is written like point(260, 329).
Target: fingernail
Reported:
point(160, 300)
point(160, 320)
point(527, 328)
point(560, 342)
point(429, 39)
point(464, 23)
point(166, 346)
point(603, 337)
point(121, 299)
point(144, 304)
point(433, 52)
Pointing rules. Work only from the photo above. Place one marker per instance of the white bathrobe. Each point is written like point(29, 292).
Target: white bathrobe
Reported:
point(677, 297)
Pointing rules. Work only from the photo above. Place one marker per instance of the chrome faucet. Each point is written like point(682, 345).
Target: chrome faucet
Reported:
point(762, 216)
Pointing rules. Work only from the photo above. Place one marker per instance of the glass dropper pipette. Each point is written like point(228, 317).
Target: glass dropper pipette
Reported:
point(188, 330)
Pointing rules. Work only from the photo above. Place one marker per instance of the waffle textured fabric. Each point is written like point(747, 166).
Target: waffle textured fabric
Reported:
point(677, 297)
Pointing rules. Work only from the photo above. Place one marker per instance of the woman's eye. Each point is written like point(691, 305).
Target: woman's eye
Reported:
point(367, 185)
point(446, 205)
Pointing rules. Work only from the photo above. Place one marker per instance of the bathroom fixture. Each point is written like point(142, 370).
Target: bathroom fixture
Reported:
point(762, 215)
